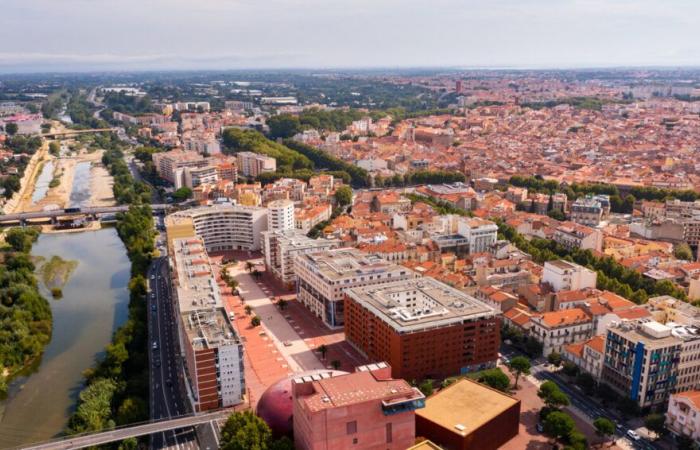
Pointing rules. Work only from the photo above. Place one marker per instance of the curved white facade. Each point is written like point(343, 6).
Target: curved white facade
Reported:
point(229, 227)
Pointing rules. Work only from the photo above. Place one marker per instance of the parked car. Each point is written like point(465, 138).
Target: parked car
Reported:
point(633, 435)
point(155, 345)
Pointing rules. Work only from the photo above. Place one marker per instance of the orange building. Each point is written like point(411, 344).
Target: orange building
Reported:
point(423, 328)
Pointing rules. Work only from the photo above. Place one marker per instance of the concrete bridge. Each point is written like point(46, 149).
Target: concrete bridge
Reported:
point(23, 217)
point(131, 431)
point(66, 133)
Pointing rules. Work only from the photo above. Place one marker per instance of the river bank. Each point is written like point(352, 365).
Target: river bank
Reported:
point(95, 298)
point(80, 180)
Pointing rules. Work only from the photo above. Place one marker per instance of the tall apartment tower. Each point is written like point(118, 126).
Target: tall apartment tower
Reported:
point(280, 215)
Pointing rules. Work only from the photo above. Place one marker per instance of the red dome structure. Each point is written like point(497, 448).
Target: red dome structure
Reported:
point(275, 406)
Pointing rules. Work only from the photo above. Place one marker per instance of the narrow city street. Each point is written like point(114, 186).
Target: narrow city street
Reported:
point(167, 398)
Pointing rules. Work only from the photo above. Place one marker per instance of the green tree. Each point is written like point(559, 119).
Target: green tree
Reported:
point(558, 425)
point(683, 251)
point(248, 310)
point(586, 382)
point(685, 443)
point(604, 427)
point(182, 194)
point(570, 369)
point(132, 409)
point(426, 387)
point(519, 365)
point(552, 396)
point(495, 378)
point(323, 350)
point(283, 126)
point(54, 148)
point(255, 321)
point(343, 195)
point(11, 184)
point(655, 422)
point(576, 440)
point(21, 239)
point(11, 128)
point(245, 431)
point(554, 358)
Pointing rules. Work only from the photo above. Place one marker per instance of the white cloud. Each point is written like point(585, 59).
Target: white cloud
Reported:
point(344, 33)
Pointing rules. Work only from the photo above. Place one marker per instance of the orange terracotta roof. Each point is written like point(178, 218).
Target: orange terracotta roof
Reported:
point(692, 396)
point(565, 317)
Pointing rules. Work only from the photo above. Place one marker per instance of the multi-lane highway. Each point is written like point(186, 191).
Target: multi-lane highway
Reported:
point(167, 394)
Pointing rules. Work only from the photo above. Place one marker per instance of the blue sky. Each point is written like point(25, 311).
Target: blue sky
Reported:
point(45, 35)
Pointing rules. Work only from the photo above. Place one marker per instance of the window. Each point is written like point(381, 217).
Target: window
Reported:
point(351, 427)
point(389, 438)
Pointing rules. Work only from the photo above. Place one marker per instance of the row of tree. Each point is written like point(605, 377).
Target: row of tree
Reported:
point(127, 191)
point(237, 140)
point(323, 160)
point(618, 203)
point(116, 388)
point(287, 125)
point(612, 275)
point(25, 316)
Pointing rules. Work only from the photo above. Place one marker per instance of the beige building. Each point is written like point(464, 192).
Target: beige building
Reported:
point(252, 164)
point(683, 414)
point(324, 277)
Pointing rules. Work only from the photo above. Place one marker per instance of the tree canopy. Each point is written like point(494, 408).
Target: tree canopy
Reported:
point(246, 431)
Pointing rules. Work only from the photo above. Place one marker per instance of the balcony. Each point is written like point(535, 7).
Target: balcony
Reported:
point(409, 402)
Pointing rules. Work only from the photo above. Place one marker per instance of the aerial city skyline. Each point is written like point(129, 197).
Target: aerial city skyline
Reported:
point(349, 225)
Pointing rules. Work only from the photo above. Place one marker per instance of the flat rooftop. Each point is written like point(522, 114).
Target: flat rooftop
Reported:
point(298, 239)
point(196, 283)
point(207, 329)
point(563, 265)
point(634, 332)
point(335, 391)
point(419, 303)
point(347, 262)
point(465, 406)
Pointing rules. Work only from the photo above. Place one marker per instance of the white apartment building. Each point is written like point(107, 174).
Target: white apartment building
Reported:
point(590, 210)
point(683, 414)
point(573, 236)
point(566, 276)
point(227, 227)
point(168, 163)
point(587, 355)
point(211, 348)
point(323, 278)
point(196, 176)
point(251, 164)
point(556, 329)
point(280, 215)
point(281, 247)
point(480, 233)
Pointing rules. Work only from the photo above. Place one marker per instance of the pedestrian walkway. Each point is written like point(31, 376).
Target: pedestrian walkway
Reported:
point(289, 343)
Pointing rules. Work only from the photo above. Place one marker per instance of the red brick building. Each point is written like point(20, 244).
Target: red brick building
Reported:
point(422, 328)
point(367, 409)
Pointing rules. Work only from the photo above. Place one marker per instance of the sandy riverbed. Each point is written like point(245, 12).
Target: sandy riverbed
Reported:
point(59, 197)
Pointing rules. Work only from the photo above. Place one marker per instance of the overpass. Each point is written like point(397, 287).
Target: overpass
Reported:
point(51, 214)
point(129, 431)
point(77, 132)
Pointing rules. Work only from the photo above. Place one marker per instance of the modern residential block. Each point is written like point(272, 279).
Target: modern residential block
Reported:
point(324, 277)
point(423, 328)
